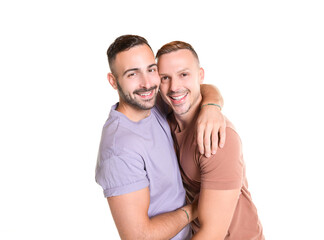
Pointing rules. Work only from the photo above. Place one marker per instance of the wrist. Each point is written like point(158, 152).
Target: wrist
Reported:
point(211, 104)
point(189, 212)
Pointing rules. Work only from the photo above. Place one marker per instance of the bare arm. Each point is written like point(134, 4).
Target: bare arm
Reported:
point(211, 94)
point(211, 122)
point(215, 212)
point(129, 212)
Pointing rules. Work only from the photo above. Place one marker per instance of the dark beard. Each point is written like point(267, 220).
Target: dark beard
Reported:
point(131, 101)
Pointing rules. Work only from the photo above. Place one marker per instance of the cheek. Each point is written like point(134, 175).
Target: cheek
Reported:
point(157, 80)
point(194, 84)
point(163, 89)
point(128, 86)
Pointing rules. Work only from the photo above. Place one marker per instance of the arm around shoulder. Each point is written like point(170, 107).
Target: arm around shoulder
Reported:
point(211, 94)
point(211, 123)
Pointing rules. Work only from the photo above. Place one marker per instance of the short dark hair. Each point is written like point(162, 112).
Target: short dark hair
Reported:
point(175, 46)
point(123, 43)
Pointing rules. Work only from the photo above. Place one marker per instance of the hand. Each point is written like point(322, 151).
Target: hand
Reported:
point(211, 123)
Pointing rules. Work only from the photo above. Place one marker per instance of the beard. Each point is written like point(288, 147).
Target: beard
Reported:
point(138, 103)
point(184, 108)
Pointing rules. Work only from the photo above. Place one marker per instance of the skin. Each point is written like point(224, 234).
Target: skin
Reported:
point(210, 123)
point(181, 77)
point(180, 84)
point(137, 81)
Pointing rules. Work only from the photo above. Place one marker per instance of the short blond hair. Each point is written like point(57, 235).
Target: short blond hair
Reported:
point(175, 46)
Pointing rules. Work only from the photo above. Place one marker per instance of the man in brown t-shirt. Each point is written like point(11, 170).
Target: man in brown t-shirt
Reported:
point(225, 209)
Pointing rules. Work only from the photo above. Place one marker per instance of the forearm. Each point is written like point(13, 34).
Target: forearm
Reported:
point(129, 212)
point(167, 225)
point(203, 235)
point(211, 94)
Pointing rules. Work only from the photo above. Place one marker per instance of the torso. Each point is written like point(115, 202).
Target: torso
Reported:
point(245, 223)
point(150, 142)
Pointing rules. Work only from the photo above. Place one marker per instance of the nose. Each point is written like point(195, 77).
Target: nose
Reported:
point(146, 81)
point(174, 84)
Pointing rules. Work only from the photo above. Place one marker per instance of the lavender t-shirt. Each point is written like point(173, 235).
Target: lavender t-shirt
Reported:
point(134, 155)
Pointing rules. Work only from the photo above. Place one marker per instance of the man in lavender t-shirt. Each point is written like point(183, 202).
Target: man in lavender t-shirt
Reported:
point(137, 166)
point(137, 155)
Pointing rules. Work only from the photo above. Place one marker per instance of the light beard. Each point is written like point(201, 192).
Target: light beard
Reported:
point(185, 111)
point(136, 103)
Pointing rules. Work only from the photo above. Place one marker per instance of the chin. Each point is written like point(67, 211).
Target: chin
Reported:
point(148, 104)
point(181, 111)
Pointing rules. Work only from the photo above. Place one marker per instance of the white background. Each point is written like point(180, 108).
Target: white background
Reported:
point(266, 57)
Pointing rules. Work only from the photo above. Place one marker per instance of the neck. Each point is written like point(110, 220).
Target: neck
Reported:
point(132, 113)
point(184, 120)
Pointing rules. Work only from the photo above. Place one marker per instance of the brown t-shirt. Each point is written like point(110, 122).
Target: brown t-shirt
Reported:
point(223, 171)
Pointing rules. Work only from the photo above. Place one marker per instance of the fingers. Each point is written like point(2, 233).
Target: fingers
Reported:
point(222, 136)
point(200, 139)
point(207, 138)
point(214, 142)
point(210, 132)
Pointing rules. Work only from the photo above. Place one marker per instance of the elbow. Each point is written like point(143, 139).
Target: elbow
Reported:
point(134, 236)
point(210, 234)
point(138, 233)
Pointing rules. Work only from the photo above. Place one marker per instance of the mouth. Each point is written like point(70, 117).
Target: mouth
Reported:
point(178, 99)
point(145, 93)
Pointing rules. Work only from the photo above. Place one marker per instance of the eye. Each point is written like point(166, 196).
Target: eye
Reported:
point(164, 78)
point(152, 70)
point(131, 74)
point(184, 74)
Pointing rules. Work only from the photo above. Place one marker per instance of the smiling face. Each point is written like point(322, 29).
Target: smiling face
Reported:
point(181, 77)
point(136, 77)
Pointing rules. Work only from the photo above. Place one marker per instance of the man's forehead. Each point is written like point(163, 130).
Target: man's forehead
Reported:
point(182, 58)
point(138, 55)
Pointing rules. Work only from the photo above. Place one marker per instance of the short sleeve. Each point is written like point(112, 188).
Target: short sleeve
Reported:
point(118, 175)
point(225, 169)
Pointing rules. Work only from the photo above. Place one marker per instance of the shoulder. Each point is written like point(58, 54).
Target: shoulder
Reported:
point(119, 144)
point(232, 137)
point(228, 158)
point(118, 137)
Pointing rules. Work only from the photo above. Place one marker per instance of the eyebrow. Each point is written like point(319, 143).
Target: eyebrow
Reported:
point(182, 70)
point(136, 69)
point(152, 65)
point(130, 70)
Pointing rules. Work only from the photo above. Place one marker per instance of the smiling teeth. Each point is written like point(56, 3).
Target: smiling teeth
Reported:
point(178, 98)
point(146, 94)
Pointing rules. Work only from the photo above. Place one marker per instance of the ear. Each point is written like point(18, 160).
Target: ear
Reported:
point(201, 75)
point(112, 80)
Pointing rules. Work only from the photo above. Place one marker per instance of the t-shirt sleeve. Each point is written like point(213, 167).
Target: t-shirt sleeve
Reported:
point(224, 170)
point(118, 175)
